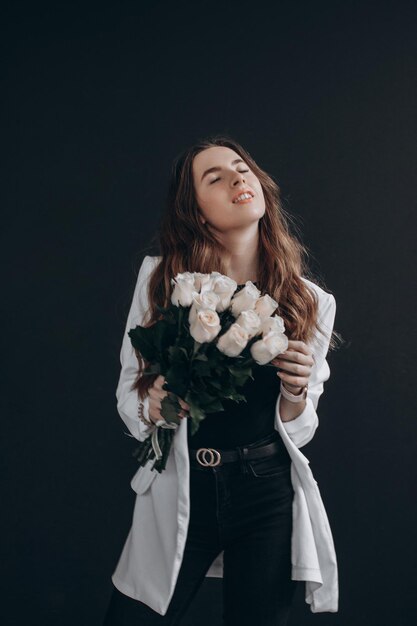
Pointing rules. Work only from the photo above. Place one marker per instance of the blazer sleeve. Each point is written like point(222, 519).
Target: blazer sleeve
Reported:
point(127, 400)
point(302, 428)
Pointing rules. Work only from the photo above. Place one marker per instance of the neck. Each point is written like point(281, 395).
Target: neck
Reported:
point(242, 259)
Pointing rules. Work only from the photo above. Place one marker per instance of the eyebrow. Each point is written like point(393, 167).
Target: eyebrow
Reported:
point(216, 169)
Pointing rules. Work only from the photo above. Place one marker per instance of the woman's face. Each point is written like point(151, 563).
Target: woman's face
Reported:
point(220, 175)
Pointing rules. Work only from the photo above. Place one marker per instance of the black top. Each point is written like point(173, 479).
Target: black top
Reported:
point(241, 422)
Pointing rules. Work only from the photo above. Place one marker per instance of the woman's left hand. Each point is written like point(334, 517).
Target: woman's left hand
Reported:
point(295, 365)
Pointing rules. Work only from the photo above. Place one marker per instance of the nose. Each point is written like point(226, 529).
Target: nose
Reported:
point(239, 178)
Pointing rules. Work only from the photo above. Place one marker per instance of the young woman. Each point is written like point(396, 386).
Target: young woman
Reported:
point(256, 519)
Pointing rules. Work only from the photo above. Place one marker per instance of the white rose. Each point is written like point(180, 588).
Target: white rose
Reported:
point(206, 326)
point(245, 299)
point(200, 280)
point(224, 287)
point(268, 347)
point(184, 289)
point(275, 324)
point(208, 300)
point(265, 306)
point(250, 321)
point(233, 341)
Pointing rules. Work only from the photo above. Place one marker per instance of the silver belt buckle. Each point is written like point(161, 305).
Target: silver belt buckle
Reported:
point(208, 457)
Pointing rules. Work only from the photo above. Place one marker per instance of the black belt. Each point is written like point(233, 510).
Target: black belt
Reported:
point(210, 457)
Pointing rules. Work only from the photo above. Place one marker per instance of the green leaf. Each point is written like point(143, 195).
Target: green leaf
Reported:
point(239, 370)
point(201, 368)
point(214, 406)
point(143, 340)
point(178, 356)
point(196, 413)
point(177, 380)
point(153, 368)
point(217, 384)
point(170, 407)
point(194, 426)
point(238, 397)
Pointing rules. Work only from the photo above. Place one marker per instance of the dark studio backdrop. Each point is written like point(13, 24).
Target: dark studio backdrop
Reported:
point(97, 101)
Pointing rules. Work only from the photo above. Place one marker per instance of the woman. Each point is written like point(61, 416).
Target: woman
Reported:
point(257, 519)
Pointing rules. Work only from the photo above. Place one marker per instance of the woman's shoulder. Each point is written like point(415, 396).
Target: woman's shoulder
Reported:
point(145, 270)
point(319, 291)
point(147, 266)
point(151, 260)
point(326, 313)
point(326, 302)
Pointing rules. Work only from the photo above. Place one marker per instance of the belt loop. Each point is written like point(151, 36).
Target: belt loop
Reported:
point(242, 453)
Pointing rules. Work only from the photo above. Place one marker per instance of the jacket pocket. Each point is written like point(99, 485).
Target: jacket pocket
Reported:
point(143, 478)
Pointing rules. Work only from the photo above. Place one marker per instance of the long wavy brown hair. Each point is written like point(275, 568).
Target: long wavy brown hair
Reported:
point(186, 245)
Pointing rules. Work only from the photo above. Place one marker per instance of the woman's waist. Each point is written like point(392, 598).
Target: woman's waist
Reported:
point(270, 445)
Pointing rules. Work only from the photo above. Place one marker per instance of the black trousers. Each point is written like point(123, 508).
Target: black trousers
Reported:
point(245, 509)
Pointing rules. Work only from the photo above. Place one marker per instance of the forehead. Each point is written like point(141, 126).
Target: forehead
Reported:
point(211, 157)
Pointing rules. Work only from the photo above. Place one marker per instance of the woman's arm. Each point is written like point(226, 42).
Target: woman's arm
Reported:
point(290, 410)
point(128, 401)
point(302, 427)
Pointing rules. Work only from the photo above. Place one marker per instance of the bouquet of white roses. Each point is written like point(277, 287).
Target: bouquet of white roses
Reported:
point(205, 345)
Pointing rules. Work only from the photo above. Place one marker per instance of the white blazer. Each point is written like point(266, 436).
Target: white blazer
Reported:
point(148, 566)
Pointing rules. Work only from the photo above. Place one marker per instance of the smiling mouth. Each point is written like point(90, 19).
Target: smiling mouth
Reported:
point(248, 198)
point(243, 201)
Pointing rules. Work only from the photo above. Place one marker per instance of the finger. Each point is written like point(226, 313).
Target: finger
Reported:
point(297, 357)
point(295, 368)
point(154, 412)
point(157, 393)
point(297, 381)
point(184, 404)
point(158, 382)
point(299, 346)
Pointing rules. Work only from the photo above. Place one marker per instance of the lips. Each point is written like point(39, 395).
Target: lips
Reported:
point(249, 191)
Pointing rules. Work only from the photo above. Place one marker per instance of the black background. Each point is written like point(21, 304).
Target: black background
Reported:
point(97, 101)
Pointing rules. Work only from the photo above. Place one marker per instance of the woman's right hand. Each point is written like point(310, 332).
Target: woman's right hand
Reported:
point(156, 395)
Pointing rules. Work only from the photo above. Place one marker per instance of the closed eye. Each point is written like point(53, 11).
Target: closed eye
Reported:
point(218, 178)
